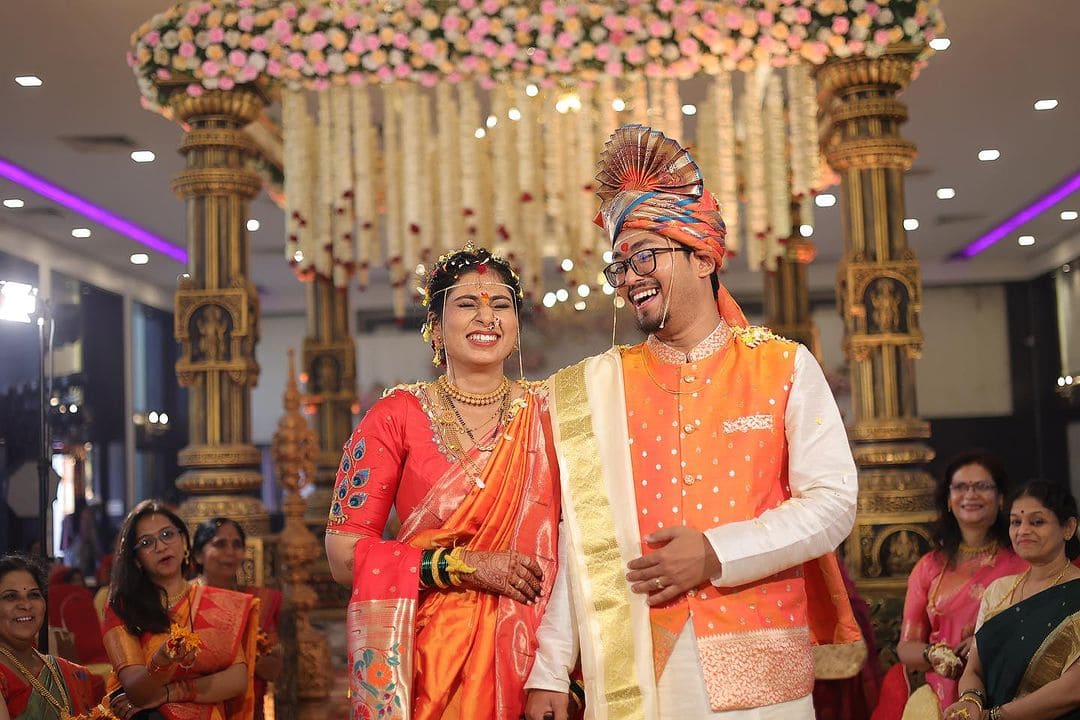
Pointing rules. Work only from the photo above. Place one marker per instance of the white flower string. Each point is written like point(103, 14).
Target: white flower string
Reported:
point(727, 178)
point(779, 191)
point(365, 158)
point(321, 221)
point(448, 167)
point(757, 209)
point(342, 185)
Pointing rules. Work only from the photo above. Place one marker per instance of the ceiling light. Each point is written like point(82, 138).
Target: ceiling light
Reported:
point(1066, 268)
point(139, 258)
point(689, 109)
point(492, 121)
point(946, 193)
point(579, 305)
point(806, 230)
point(1069, 215)
point(28, 80)
point(90, 211)
point(480, 133)
point(253, 225)
point(13, 203)
point(1048, 104)
point(550, 299)
point(153, 416)
point(988, 155)
point(825, 200)
point(531, 90)
point(618, 104)
point(1026, 240)
point(80, 233)
point(143, 156)
point(514, 114)
point(567, 265)
point(73, 408)
point(583, 290)
point(608, 256)
point(911, 224)
point(608, 290)
point(163, 418)
point(940, 44)
point(562, 294)
point(18, 301)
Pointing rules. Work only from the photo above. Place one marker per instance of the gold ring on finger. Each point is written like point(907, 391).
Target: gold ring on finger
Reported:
point(659, 583)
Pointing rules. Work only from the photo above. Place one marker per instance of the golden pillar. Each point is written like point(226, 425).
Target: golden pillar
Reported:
point(330, 367)
point(217, 308)
point(294, 450)
point(787, 291)
point(879, 292)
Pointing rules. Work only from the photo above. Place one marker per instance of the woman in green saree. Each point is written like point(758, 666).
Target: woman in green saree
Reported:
point(1023, 665)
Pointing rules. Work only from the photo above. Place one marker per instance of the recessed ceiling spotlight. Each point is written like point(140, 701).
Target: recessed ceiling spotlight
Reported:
point(514, 114)
point(988, 155)
point(583, 290)
point(1047, 104)
point(562, 294)
point(1069, 215)
point(13, 203)
point(139, 258)
point(946, 193)
point(253, 225)
point(1026, 240)
point(531, 90)
point(80, 233)
point(940, 44)
point(492, 121)
point(143, 156)
point(567, 265)
point(480, 133)
point(579, 305)
point(911, 224)
point(618, 104)
point(29, 80)
point(550, 299)
point(689, 109)
point(825, 200)
point(806, 230)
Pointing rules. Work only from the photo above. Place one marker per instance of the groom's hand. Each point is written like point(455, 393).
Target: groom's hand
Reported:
point(684, 561)
point(547, 705)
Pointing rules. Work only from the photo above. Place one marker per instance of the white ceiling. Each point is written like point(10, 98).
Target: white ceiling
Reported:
point(977, 94)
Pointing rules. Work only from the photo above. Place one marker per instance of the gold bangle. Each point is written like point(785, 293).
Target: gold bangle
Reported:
point(435, 558)
point(974, 696)
point(456, 565)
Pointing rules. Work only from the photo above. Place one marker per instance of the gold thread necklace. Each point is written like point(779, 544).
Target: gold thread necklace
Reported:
point(471, 398)
point(63, 703)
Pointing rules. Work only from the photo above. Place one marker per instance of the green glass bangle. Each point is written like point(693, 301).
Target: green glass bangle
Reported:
point(427, 579)
point(444, 570)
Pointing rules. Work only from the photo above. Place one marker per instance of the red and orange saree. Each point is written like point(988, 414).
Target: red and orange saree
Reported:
point(227, 624)
point(425, 655)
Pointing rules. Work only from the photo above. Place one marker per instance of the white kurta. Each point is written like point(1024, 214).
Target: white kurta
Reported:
point(819, 515)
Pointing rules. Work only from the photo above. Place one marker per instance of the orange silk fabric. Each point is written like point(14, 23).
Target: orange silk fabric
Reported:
point(473, 650)
point(227, 622)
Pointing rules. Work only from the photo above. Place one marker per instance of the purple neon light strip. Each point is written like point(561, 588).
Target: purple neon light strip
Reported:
point(100, 215)
point(1032, 211)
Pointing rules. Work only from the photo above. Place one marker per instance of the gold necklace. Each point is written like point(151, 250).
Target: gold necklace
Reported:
point(1053, 582)
point(470, 398)
point(970, 551)
point(62, 705)
point(173, 599)
point(449, 422)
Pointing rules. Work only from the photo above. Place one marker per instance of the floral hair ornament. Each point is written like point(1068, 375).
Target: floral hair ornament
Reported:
point(648, 181)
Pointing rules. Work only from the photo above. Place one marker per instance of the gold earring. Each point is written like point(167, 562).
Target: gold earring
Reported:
point(437, 347)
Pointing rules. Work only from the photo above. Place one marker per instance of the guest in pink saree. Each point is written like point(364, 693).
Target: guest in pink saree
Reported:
point(945, 587)
point(442, 619)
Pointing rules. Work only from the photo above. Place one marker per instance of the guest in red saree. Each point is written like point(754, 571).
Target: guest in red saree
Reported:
point(945, 587)
point(34, 686)
point(219, 550)
point(442, 618)
point(181, 650)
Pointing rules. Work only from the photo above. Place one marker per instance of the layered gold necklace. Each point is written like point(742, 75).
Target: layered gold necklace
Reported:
point(453, 424)
point(471, 398)
point(62, 704)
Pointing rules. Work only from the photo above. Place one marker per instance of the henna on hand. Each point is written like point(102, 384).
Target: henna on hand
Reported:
point(508, 573)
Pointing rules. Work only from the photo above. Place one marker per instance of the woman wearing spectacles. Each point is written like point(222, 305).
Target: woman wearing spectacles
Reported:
point(180, 651)
point(971, 550)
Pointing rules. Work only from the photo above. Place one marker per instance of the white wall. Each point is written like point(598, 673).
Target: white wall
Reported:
point(276, 335)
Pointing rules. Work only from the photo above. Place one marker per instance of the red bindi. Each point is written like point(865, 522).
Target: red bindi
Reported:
point(481, 269)
point(624, 247)
point(484, 296)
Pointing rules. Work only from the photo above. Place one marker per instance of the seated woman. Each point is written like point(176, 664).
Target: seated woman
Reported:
point(971, 550)
point(1023, 665)
point(187, 651)
point(34, 686)
point(442, 621)
point(218, 549)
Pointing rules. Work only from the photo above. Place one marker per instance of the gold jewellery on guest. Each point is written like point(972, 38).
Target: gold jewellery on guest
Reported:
point(62, 703)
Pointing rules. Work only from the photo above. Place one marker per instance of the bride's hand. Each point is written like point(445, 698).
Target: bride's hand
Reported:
point(505, 572)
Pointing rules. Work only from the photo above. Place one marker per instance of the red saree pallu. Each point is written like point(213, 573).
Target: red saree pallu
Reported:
point(19, 694)
point(456, 653)
point(226, 622)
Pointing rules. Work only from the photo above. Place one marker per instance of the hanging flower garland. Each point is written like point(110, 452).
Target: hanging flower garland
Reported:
point(217, 44)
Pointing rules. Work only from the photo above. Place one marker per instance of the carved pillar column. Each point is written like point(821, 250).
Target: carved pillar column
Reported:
point(330, 365)
point(295, 449)
point(787, 292)
point(879, 292)
point(217, 308)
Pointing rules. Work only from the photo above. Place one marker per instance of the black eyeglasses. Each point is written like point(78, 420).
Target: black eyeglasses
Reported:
point(167, 535)
point(642, 262)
